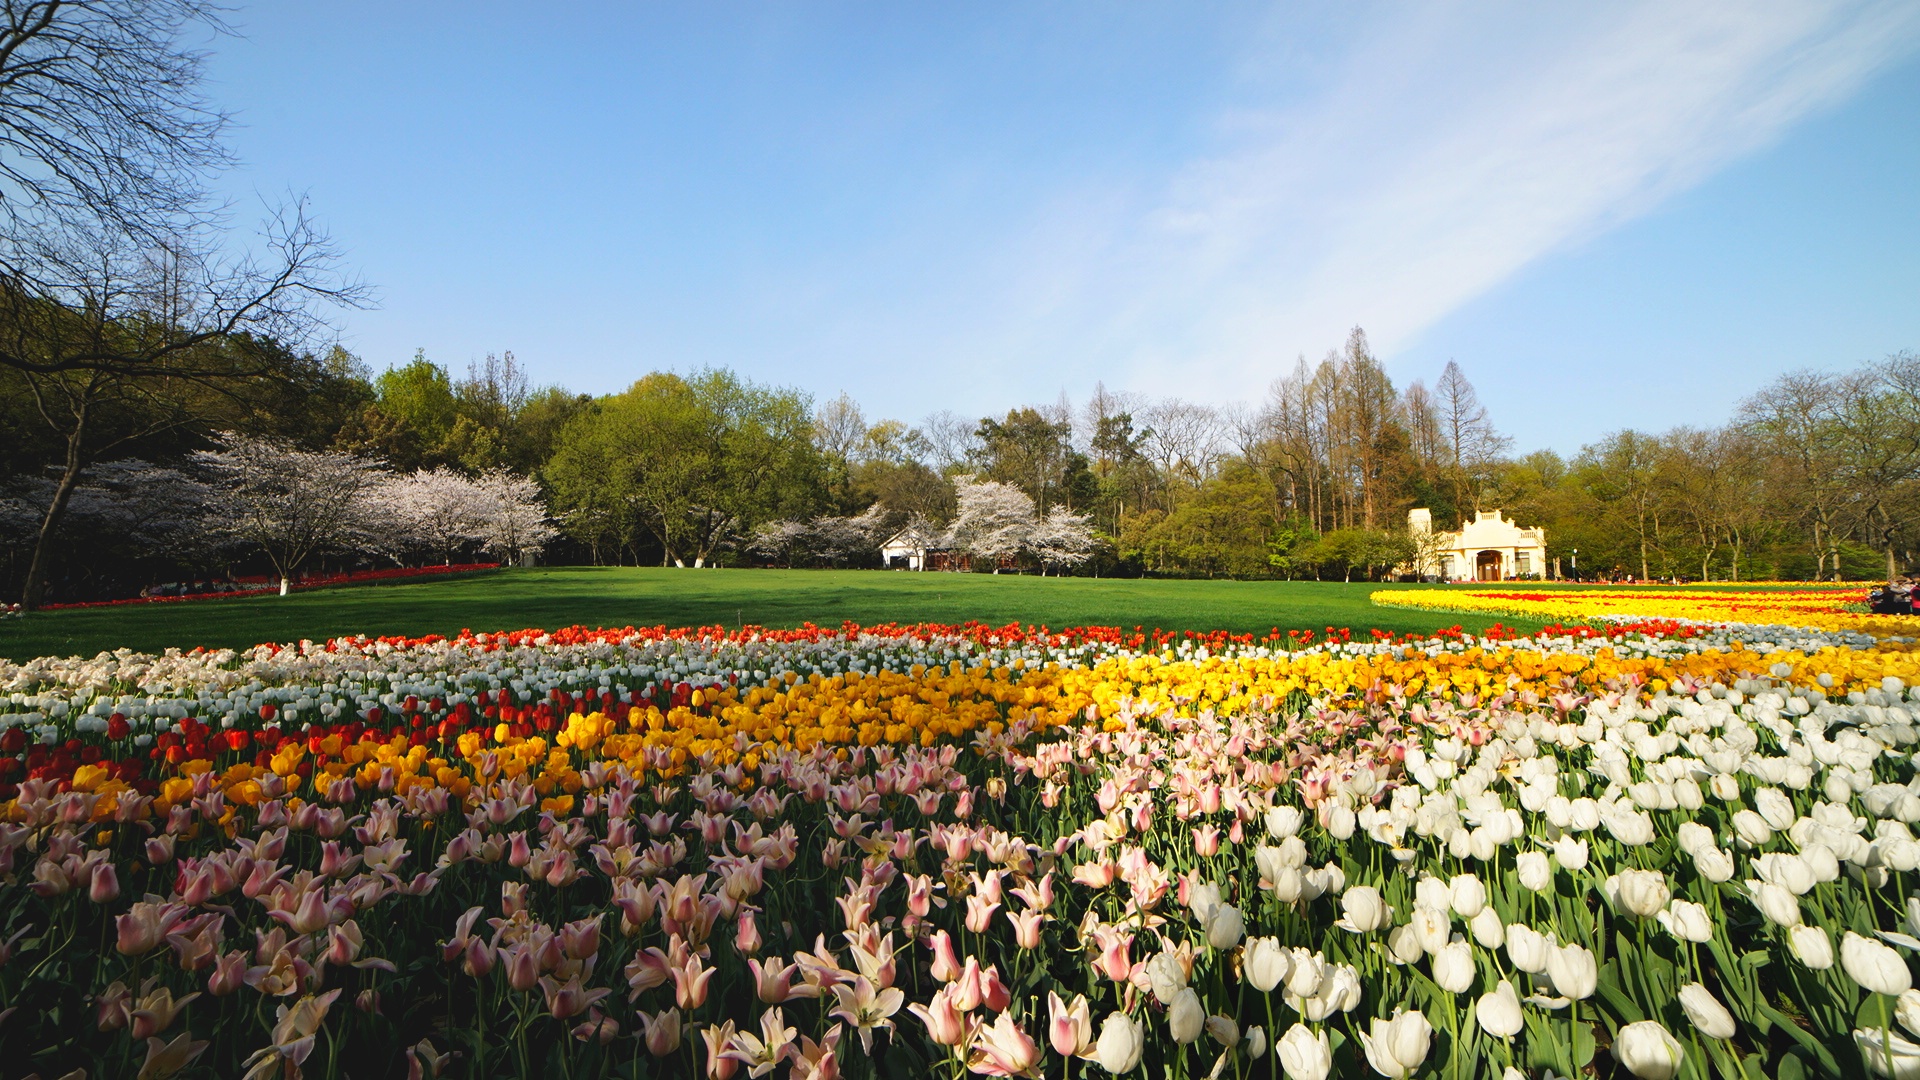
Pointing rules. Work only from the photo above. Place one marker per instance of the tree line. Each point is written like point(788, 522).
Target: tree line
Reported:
point(144, 344)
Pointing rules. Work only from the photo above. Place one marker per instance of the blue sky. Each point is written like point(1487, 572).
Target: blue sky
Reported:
point(1610, 215)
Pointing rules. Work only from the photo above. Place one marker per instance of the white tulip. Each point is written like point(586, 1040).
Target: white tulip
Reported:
point(1649, 1051)
point(1453, 969)
point(1433, 928)
point(1874, 966)
point(1266, 963)
point(1571, 853)
point(1202, 899)
point(1226, 927)
point(1499, 1012)
point(1165, 976)
point(1487, 929)
point(1363, 911)
point(1714, 864)
point(1288, 884)
point(1573, 971)
point(1705, 1011)
point(1907, 1011)
point(1339, 991)
point(1811, 946)
point(1340, 822)
point(1186, 1018)
point(1780, 907)
point(1774, 807)
point(1403, 944)
point(1122, 1041)
point(1693, 837)
point(1687, 921)
point(1431, 892)
point(1751, 829)
point(1584, 815)
point(1396, 1047)
point(1467, 894)
point(1266, 859)
point(1824, 864)
point(1897, 1058)
point(1535, 869)
point(1284, 821)
point(1527, 948)
point(1308, 969)
point(1641, 893)
point(1224, 1030)
point(1304, 1053)
point(1726, 787)
point(1256, 1043)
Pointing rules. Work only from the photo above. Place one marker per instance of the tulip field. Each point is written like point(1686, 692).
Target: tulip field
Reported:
point(1648, 843)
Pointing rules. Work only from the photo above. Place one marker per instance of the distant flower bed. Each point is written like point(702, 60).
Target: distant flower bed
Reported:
point(1664, 850)
point(349, 578)
point(1825, 607)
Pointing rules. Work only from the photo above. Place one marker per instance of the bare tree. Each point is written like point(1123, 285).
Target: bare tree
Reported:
point(1471, 441)
point(292, 503)
point(952, 440)
point(154, 335)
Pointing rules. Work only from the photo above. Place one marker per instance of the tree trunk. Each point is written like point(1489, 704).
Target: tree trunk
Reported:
point(286, 585)
point(56, 513)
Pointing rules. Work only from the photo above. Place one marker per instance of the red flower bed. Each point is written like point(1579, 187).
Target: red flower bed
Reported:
point(351, 578)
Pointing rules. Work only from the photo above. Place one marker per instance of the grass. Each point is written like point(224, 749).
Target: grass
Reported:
point(625, 596)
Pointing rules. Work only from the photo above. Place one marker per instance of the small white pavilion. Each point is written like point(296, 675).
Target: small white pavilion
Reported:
point(1488, 548)
point(907, 549)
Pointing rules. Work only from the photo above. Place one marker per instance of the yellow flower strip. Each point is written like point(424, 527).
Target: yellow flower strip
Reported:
point(1818, 610)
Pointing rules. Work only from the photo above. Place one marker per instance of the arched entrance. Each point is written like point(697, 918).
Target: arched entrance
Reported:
point(1486, 566)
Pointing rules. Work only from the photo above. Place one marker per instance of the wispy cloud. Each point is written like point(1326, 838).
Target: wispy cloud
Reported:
point(1446, 152)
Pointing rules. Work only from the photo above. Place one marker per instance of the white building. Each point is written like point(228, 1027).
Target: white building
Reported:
point(906, 550)
point(1488, 548)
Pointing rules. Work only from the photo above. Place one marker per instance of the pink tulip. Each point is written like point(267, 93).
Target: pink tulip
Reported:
point(980, 914)
point(746, 935)
point(1206, 840)
point(1003, 1049)
point(1026, 927)
point(662, 1032)
point(105, 887)
point(690, 984)
point(946, 966)
point(994, 993)
point(967, 992)
point(946, 1025)
point(1069, 1029)
point(772, 981)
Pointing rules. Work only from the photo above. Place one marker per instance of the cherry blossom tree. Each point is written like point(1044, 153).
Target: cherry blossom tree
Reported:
point(1062, 540)
point(437, 510)
point(995, 520)
point(293, 503)
point(513, 521)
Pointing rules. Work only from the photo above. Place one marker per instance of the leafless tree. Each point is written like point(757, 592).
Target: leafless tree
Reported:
point(1472, 443)
point(952, 440)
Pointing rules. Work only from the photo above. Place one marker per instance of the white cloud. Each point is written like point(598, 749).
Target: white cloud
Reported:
point(1451, 149)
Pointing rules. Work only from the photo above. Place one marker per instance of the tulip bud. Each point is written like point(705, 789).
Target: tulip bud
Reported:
point(1256, 1043)
point(105, 887)
point(1527, 948)
point(1874, 966)
point(1706, 1013)
point(1396, 1047)
point(1304, 1053)
point(1453, 967)
point(1122, 1042)
point(1648, 1051)
point(1811, 946)
point(1535, 870)
point(1185, 1016)
point(1487, 929)
point(1573, 971)
point(1265, 963)
point(1363, 910)
point(1499, 1012)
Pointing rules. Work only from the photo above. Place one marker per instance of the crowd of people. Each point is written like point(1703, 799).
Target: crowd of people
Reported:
point(1893, 598)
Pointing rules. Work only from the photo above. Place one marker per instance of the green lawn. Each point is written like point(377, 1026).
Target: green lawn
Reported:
point(607, 596)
